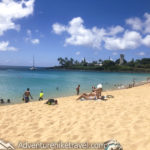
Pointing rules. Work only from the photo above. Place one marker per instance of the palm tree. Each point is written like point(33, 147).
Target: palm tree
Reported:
point(61, 61)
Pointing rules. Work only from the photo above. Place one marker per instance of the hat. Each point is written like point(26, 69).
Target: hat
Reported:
point(99, 86)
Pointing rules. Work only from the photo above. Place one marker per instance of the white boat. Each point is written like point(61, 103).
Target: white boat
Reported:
point(33, 67)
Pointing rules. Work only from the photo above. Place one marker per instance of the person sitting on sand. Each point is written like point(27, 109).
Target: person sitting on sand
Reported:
point(93, 93)
point(98, 91)
point(96, 94)
point(41, 95)
point(26, 95)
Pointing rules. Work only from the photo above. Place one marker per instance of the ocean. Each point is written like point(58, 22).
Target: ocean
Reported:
point(58, 83)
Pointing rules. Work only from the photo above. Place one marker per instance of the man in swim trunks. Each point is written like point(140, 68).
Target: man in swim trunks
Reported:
point(78, 90)
point(26, 95)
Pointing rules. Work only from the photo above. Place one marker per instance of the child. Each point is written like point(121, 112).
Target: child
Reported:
point(41, 95)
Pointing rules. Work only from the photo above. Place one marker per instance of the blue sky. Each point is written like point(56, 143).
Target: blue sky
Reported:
point(94, 29)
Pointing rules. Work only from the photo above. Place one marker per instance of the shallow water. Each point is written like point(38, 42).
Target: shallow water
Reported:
point(58, 83)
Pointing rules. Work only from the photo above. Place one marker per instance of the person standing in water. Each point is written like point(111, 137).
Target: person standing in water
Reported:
point(41, 95)
point(93, 88)
point(78, 89)
point(26, 95)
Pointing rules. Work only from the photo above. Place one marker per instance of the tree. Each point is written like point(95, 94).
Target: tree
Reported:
point(108, 64)
point(83, 62)
point(100, 61)
point(94, 63)
point(145, 61)
point(76, 62)
point(71, 62)
point(131, 63)
point(118, 61)
point(61, 61)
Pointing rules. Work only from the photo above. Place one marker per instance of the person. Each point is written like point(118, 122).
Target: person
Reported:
point(2, 101)
point(8, 100)
point(93, 88)
point(98, 91)
point(95, 94)
point(26, 95)
point(78, 89)
point(148, 79)
point(133, 82)
point(41, 95)
point(87, 97)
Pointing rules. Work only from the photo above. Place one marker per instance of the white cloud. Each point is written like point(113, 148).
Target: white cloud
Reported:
point(135, 23)
point(4, 46)
point(30, 39)
point(147, 23)
point(11, 10)
point(58, 29)
point(78, 53)
point(141, 53)
point(115, 30)
point(130, 40)
point(114, 53)
point(29, 32)
point(146, 41)
point(111, 38)
point(141, 25)
point(35, 41)
point(79, 35)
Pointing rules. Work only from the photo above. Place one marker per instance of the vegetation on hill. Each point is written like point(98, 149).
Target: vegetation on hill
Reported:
point(138, 65)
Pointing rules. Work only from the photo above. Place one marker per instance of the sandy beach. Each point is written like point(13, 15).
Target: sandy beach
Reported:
point(124, 118)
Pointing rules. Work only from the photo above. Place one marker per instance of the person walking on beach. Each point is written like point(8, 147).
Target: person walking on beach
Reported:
point(26, 95)
point(78, 89)
point(41, 95)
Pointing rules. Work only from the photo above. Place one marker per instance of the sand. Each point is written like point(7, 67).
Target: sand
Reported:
point(126, 118)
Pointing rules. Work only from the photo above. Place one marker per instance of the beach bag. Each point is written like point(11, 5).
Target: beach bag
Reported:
point(51, 102)
point(112, 145)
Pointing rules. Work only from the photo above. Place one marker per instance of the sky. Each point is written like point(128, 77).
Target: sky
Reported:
point(91, 29)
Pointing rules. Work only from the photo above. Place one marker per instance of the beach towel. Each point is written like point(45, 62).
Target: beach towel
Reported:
point(83, 99)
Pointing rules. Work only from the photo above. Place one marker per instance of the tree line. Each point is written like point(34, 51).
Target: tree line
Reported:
point(138, 65)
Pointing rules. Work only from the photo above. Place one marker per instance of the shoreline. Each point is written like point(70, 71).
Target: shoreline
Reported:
point(104, 91)
point(97, 70)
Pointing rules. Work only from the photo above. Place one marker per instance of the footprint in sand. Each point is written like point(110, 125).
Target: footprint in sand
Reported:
point(74, 137)
point(65, 130)
point(37, 135)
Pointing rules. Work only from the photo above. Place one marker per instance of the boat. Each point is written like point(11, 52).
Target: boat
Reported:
point(33, 67)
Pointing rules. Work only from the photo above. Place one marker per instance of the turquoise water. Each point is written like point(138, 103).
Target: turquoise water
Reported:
point(13, 82)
